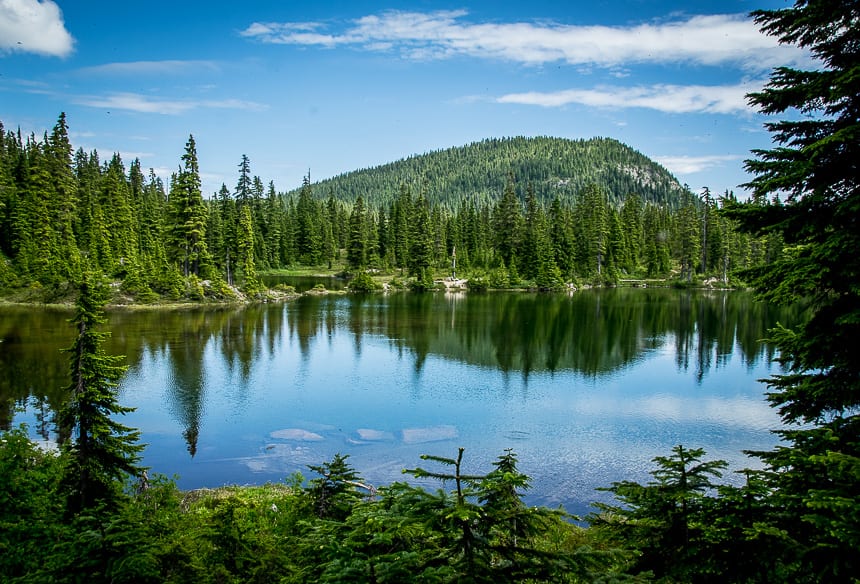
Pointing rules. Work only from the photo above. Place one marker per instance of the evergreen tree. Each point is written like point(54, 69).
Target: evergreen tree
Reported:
point(334, 493)
point(631, 222)
point(662, 520)
point(243, 192)
point(188, 215)
point(528, 249)
point(399, 227)
point(507, 223)
point(356, 252)
point(594, 230)
point(103, 452)
point(688, 238)
point(655, 229)
point(245, 266)
point(308, 233)
point(815, 474)
point(421, 242)
point(225, 252)
point(562, 238)
point(332, 208)
point(116, 205)
point(63, 199)
point(274, 235)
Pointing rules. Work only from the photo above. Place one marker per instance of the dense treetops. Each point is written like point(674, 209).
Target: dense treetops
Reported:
point(556, 167)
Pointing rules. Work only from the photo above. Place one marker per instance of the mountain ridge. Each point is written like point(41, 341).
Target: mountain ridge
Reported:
point(478, 171)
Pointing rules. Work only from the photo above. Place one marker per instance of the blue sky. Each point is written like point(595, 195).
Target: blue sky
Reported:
point(334, 86)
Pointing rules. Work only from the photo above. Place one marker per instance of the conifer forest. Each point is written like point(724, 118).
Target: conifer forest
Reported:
point(526, 224)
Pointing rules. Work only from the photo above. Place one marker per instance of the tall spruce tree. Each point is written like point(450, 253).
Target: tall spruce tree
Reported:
point(188, 215)
point(507, 222)
point(308, 232)
point(356, 251)
point(245, 266)
point(688, 237)
point(594, 228)
point(815, 167)
point(421, 242)
point(102, 451)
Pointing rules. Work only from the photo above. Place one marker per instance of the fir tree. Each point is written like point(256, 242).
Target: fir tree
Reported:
point(814, 164)
point(188, 215)
point(102, 452)
point(356, 252)
point(246, 268)
point(421, 242)
point(507, 223)
point(308, 234)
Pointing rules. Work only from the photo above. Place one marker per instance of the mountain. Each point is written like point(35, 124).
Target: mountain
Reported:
point(479, 171)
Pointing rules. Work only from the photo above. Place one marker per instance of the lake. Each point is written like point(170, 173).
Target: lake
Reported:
point(586, 388)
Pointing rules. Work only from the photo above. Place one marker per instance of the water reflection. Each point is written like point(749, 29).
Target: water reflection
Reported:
point(594, 333)
point(601, 374)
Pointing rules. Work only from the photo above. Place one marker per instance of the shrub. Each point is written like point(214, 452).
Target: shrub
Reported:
point(363, 282)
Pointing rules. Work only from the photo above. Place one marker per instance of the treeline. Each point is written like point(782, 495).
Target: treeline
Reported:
point(61, 208)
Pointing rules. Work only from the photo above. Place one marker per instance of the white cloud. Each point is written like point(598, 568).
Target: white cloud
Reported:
point(146, 104)
point(708, 40)
point(31, 26)
point(722, 99)
point(693, 164)
point(167, 67)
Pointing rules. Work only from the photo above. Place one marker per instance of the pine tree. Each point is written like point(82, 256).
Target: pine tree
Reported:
point(115, 201)
point(816, 472)
point(631, 222)
point(662, 520)
point(243, 186)
point(356, 252)
point(63, 199)
point(401, 213)
point(507, 224)
point(688, 238)
point(562, 238)
point(245, 266)
point(188, 215)
point(594, 228)
point(308, 234)
point(103, 452)
point(421, 242)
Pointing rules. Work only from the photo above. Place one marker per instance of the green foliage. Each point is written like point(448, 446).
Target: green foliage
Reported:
point(101, 451)
point(356, 253)
point(499, 278)
point(396, 284)
point(423, 282)
point(612, 213)
point(478, 532)
point(814, 474)
point(30, 514)
point(663, 520)
point(363, 282)
point(478, 283)
point(556, 167)
point(246, 267)
point(335, 492)
point(188, 216)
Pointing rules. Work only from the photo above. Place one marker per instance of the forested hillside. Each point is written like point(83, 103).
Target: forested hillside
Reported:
point(517, 212)
point(555, 167)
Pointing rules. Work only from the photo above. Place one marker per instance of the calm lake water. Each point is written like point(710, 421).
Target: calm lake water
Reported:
point(585, 388)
